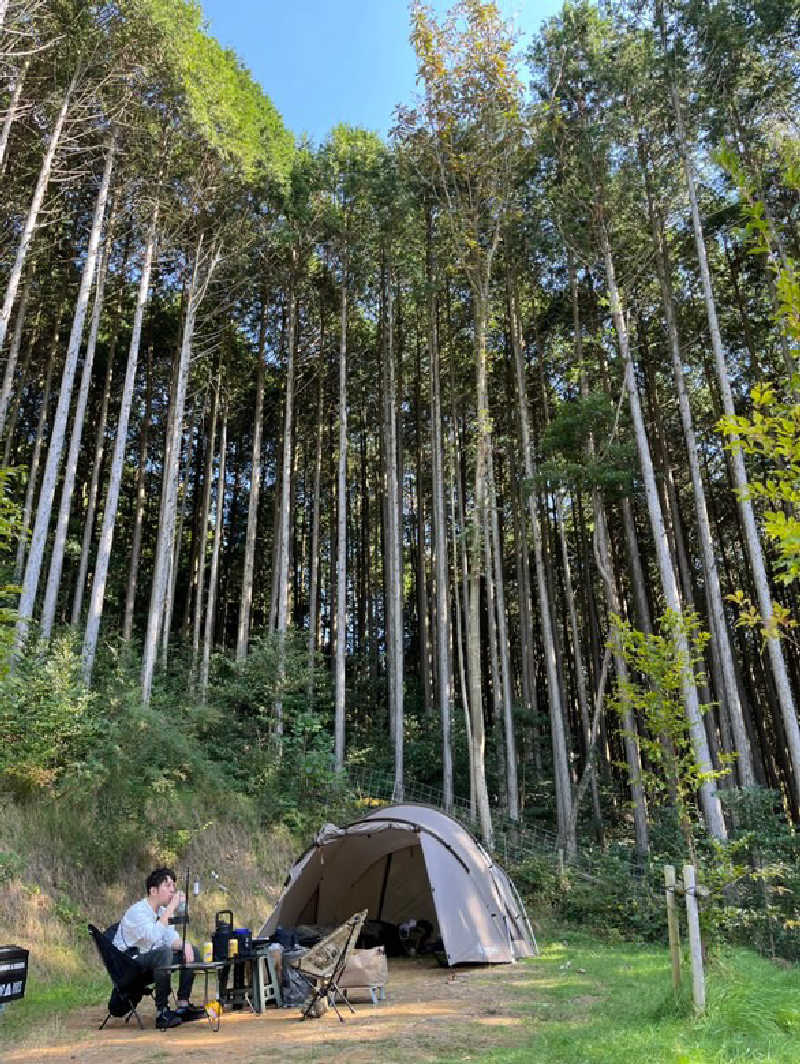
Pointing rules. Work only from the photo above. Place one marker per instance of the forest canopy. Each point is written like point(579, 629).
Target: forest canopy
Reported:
point(441, 454)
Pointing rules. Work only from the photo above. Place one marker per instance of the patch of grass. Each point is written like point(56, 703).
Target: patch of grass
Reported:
point(587, 1002)
point(52, 999)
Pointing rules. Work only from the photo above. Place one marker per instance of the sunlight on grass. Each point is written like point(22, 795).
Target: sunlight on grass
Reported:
point(614, 1004)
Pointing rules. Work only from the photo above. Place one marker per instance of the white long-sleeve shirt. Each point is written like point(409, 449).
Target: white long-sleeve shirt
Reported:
point(140, 927)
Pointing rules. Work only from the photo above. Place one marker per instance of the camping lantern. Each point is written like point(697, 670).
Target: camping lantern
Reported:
point(13, 973)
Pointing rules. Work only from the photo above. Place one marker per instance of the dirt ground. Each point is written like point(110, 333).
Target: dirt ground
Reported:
point(429, 1012)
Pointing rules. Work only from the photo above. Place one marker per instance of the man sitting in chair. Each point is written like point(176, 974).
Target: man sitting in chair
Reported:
point(146, 935)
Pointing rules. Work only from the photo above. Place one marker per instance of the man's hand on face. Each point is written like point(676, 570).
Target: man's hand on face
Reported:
point(174, 902)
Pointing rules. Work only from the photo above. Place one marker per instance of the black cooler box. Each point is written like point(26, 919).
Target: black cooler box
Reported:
point(13, 973)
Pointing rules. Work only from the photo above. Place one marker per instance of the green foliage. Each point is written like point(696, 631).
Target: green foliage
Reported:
point(751, 882)
point(153, 772)
point(139, 774)
point(538, 881)
point(652, 690)
point(10, 513)
point(283, 768)
point(101, 758)
point(771, 433)
point(467, 129)
point(10, 530)
point(756, 904)
point(351, 167)
point(11, 865)
point(566, 453)
point(612, 899)
point(233, 111)
point(48, 721)
point(229, 108)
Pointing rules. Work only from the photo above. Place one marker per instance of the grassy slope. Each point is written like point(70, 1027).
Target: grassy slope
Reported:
point(589, 1002)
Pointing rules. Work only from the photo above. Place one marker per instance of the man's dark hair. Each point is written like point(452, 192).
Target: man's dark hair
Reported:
point(157, 877)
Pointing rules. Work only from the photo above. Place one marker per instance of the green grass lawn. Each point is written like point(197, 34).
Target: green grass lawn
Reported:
point(590, 1002)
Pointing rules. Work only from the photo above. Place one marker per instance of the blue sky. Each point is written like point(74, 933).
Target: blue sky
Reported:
point(328, 61)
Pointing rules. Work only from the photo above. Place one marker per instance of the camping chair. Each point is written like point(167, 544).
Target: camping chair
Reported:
point(129, 982)
point(324, 963)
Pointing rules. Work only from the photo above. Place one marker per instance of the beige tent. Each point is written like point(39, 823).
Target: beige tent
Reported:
point(409, 862)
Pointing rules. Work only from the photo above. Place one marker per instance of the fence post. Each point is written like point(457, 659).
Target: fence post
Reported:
point(695, 945)
point(672, 925)
point(561, 863)
point(765, 896)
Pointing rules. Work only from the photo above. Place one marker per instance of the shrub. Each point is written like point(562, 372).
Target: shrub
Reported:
point(48, 720)
point(286, 769)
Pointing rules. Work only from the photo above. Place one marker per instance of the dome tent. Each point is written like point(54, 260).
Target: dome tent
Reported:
point(409, 862)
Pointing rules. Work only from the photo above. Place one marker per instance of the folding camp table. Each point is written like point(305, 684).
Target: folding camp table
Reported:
point(206, 967)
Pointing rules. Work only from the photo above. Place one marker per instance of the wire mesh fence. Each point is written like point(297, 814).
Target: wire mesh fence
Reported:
point(513, 842)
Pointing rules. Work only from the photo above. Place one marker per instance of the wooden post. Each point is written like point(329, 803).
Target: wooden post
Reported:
point(672, 925)
point(561, 863)
point(695, 945)
point(765, 893)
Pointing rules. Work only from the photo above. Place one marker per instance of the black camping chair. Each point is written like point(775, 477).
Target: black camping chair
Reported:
point(130, 983)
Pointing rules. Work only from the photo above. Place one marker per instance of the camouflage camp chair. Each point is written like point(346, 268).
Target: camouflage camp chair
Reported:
point(324, 963)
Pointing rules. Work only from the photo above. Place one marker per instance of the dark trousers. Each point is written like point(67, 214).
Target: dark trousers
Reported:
point(156, 962)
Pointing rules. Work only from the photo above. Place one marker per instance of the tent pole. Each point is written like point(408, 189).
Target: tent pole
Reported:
point(385, 885)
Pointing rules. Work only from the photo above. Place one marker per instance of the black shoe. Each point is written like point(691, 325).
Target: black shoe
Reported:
point(167, 1018)
point(191, 1012)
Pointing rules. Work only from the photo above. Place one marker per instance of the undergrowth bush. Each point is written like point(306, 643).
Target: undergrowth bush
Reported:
point(752, 881)
point(272, 731)
point(49, 722)
point(111, 778)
